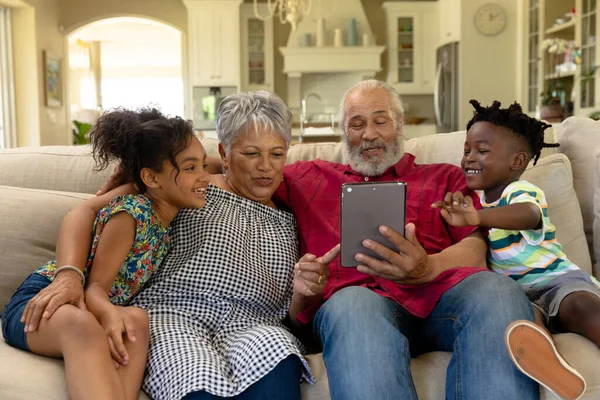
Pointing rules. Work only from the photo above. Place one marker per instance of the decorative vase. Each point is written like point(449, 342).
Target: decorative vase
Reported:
point(337, 38)
point(352, 32)
point(320, 32)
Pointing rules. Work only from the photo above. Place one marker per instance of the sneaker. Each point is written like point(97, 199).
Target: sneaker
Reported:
point(533, 351)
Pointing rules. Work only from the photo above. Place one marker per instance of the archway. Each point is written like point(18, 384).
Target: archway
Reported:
point(127, 62)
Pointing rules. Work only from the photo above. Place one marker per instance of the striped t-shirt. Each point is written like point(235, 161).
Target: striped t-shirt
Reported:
point(530, 257)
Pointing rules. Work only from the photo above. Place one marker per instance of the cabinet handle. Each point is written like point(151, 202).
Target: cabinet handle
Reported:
point(448, 34)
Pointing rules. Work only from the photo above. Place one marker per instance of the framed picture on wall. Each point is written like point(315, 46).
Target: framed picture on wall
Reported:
point(53, 85)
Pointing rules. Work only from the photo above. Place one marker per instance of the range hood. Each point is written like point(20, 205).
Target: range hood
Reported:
point(306, 66)
point(302, 60)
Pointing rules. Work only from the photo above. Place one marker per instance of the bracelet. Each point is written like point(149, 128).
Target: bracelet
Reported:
point(71, 268)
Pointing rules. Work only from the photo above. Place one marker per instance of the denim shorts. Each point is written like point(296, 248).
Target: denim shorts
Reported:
point(547, 297)
point(13, 329)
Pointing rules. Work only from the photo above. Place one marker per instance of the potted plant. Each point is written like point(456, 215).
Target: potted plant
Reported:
point(81, 132)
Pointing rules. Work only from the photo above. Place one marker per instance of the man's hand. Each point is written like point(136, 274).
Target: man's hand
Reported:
point(458, 210)
point(117, 322)
point(311, 273)
point(117, 178)
point(66, 288)
point(409, 266)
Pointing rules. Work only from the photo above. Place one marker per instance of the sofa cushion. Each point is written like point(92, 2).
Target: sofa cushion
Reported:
point(29, 222)
point(62, 168)
point(45, 377)
point(579, 138)
point(554, 176)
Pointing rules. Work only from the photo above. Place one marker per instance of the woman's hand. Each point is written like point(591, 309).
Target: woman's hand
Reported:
point(458, 210)
point(117, 322)
point(66, 288)
point(311, 273)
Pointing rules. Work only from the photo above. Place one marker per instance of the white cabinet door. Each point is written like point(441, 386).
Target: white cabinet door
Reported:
point(449, 21)
point(202, 44)
point(226, 48)
point(412, 37)
point(257, 65)
point(214, 43)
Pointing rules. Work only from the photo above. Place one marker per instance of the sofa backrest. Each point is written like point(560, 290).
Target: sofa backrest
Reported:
point(579, 140)
point(61, 168)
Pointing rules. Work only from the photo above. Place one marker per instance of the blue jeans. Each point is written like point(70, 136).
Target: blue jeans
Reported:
point(368, 341)
point(283, 382)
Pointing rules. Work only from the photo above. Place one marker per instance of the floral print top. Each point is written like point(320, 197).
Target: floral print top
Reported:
point(152, 243)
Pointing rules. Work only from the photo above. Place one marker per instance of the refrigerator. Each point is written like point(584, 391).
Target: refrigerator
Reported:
point(445, 95)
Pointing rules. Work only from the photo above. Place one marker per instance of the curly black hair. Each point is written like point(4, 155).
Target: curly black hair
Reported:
point(138, 139)
point(521, 125)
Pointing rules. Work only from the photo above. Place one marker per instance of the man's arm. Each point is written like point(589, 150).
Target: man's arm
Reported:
point(412, 265)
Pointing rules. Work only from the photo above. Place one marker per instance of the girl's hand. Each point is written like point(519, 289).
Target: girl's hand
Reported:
point(117, 322)
point(458, 210)
point(311, 273)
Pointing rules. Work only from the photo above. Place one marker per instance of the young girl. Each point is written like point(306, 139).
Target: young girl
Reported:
point(499, 145)
point(130, 239)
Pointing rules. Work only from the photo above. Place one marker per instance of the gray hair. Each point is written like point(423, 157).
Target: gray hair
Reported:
point(367, 86)
point(261, 110)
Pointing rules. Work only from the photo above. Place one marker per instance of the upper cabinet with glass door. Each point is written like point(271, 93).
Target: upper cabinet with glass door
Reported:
point(587, 36)
point(257, 49)
point(412, 37)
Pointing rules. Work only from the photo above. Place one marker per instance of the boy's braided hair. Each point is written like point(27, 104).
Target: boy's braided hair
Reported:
point(529, 130)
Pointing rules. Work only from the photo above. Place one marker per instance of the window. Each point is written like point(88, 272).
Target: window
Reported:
point(7, 98)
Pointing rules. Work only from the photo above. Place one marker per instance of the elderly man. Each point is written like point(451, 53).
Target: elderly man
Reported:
point(430, 296)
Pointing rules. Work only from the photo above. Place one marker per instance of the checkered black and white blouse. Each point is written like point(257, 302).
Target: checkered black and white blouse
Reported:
point(218, 301)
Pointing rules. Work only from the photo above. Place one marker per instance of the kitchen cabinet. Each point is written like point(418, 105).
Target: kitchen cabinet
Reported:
point(412, 40)
point(449, 21)
point(214, 42)
point(257, 64)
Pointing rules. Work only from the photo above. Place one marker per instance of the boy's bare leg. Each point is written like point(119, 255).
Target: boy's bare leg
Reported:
point(579, 312)
point(77, 337)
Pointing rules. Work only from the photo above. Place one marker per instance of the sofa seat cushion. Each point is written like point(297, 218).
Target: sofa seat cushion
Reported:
point(29, 222)
point(45, 377)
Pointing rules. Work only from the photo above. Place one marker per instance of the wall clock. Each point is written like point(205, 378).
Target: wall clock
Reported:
point(490, 19)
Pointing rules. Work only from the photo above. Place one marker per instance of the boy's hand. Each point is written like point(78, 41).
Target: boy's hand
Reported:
point(458, 210)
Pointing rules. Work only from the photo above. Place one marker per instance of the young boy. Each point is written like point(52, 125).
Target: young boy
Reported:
point(499, 145)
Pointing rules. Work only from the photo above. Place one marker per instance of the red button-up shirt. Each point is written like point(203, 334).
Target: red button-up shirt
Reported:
point(311, 190)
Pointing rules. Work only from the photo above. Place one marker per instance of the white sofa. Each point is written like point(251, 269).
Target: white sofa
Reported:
point(39, 185)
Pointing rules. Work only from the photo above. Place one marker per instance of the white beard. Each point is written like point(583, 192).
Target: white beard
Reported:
point(373, 166)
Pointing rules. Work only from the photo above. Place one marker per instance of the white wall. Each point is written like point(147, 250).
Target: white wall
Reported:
point(487, 64)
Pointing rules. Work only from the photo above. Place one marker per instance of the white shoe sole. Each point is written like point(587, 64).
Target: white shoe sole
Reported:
point(534, 354)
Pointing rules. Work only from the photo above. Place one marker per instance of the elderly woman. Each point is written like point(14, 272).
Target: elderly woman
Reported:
point(218, 303)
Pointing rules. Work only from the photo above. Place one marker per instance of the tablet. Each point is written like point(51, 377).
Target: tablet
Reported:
point(365, 207)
